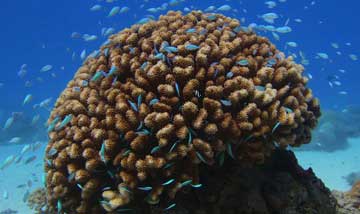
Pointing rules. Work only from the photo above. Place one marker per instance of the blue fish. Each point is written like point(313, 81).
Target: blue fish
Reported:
point(52, 124)
point(177, 89)
point(139, 100)
point(52, 152)
point(85, 83)
point(114, 11)
point(155, 149)
point(65, 121)
point(243, 62)
point(171, 49)
point(106, 52)
point(8, 123)
point(173, 147)
point(196, 185)
point(153, 101)
point(229, 75)
point(237, 29)
point(160, 56)
point(200, 157)
point(145, 188)
point(275, 127)
point(211, 17)
point(226, 102)
point(229, 150)
point(143, 66)
point(168, 165)
point(59, 206)
point(170, 207)
point(144, 20)
point(102, 153)
point(191, 30)
point(185, 183)
point(260, 88)
point(168, 182)
point(113, 69)
point(191, 47)
point(96, 76)
point(133, 106)
point(288, 110)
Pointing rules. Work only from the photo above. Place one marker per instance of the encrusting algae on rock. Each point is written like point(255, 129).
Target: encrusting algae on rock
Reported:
point(159, 102)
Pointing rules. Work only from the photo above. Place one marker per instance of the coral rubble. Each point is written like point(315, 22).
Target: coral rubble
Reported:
point(349, 202)
point(37, 200)
point(162, 100)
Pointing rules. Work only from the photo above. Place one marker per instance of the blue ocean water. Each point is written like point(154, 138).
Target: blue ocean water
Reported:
point(38, 33)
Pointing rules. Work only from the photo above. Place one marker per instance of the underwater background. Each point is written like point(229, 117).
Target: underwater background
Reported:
point(43, 43)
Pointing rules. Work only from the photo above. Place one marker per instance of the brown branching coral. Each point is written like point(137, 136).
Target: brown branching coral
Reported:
point(161, 98)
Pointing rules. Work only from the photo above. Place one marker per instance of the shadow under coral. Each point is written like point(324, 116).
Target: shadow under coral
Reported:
point(278, 186)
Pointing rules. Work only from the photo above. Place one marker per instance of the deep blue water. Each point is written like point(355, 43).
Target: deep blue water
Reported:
point(38, 32)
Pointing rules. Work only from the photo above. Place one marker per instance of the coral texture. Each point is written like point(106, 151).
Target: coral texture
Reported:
point(37, 200)
point(161, 99)
point(349, 202)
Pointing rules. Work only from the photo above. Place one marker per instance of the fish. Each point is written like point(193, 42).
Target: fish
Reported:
point(323, 55)
point(210, 9)
point(171, 49)
point(102, 153)
point(211, 17)
point(96, 7)
point(168, 182)
point(190, 30)
point(152, 10)
point(276, 36)
point(22, 72)
point(75, 35)
point(18, 159)
point(26, 196)
point(284, 29)
point(269, 17)
point(335, 45)
point(35, 146)
point(170, 207)
point(292, 44)
point(224, 8)
point(109, 31)
point(83, 54)
point(343, 92)
point(298, 20)
point(353, 57)
point(8, 123)
point(30, 159)
point(65, 121)
point(144, 20)
point(243, 62)
point(27, 99)
point(270, 4)
point(45, 103)
point(7, 162)
point(25, 149)
point(21, 186)
point(114, 11)
point(15, 140)
point(191, 47)
point(5, 195)
point(89, 38)
point(46, 68)
point(124, 9)
point(145, 188)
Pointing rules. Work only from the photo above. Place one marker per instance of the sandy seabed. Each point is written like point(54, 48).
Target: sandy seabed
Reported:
point(330, 167)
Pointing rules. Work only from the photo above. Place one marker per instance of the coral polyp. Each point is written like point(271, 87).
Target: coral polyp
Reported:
point(161, 99)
